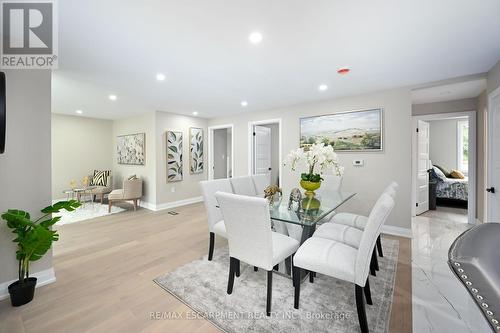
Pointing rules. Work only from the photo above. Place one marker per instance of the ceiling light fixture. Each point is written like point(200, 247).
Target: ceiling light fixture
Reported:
point(113, 97)
point(160, 77)
point(79, 111)
point(255, 37)
point(195, 113)
point(244, 103)
point(343, 70)
point(323, 87)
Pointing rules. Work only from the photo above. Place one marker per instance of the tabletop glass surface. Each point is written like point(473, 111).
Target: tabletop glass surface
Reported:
point(311, 209)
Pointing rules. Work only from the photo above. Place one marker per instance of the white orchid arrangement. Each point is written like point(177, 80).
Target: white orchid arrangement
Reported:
point(317, 159)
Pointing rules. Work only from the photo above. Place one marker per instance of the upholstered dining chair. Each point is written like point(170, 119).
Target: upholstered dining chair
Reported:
point(243, 186)
point(359, 221)
point(257, 245)
point(330, 183)
point(342, 261)
point(215, 221)
point(261, 182)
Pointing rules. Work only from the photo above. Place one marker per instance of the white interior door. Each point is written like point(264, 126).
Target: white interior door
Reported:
point(262, 150)
point(493, 185)
point(422, 188)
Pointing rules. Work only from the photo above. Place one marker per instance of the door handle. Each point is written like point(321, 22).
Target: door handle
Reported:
point(269, 169)
point(490, 190)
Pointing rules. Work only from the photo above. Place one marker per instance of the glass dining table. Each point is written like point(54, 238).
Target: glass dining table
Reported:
point(307, 211)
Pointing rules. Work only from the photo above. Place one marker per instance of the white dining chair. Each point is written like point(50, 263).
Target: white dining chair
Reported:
point(330, 183)
point(261, 182)
point(243, 186)
point(215, 221)
point(342, 261)
point(248, 225)
point(359, 221)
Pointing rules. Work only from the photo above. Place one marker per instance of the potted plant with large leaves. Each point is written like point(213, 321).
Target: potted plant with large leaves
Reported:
point(34, 238)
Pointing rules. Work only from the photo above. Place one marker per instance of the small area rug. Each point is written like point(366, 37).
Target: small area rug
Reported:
point(86, 212)
point(327, 305)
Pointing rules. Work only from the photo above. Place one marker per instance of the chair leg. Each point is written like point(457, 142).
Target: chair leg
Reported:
point(211, 246)
point(375, 261)
point(109, 206)
point(311, 276)
point(237, 268)
point(135, 205)
point(277, 267)
point(379, 247)
point(368, 293)
point(232, 271)
point(255, 269)
point(269, 292)
point(296, 283)
point(102, 197)
point(372, 266)
point(360, 305)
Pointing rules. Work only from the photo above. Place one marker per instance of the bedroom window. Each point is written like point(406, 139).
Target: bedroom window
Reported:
point(463, 146)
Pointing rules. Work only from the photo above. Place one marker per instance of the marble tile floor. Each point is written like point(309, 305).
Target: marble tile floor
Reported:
point(440, 302)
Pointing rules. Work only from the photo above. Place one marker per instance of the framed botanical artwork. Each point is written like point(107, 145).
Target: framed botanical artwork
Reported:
point(196, 150)
point(354, 131)
point(131, 149)
point(174, 156)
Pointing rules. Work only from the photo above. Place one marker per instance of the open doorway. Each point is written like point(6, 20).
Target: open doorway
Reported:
point(220, 156)
point(444, 162)
point(265, 149)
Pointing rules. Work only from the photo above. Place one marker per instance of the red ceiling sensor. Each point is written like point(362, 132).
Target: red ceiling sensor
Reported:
point(343, 70)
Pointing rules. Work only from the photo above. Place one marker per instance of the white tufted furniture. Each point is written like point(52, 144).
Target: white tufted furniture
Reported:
point(358, 221)
point(243, 185)
point(342, 261)
point(248, 225)
point(215, 221)
point(261, 182)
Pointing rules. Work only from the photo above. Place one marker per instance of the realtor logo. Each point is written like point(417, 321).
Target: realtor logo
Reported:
point(29, 34)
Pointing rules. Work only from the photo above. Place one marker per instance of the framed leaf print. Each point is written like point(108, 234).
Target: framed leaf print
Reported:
point(174, 156)
point(196, 150)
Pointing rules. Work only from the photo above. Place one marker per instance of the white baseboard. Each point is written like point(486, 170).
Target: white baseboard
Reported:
point(169, 205)
point(397, 231)
point(44, 277)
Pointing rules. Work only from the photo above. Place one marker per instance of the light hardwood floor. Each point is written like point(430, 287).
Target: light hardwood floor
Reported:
point(105, 269)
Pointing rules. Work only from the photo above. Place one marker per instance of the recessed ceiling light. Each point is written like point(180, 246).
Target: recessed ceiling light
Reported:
point(195, 113)
point(255, 37)
point(244, 103)
point(113, 97)
point(343, 70)
point(79, 111)
point(323, 87)
point(160, 77)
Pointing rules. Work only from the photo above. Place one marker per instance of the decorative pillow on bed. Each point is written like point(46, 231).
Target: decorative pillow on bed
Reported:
point(445, 171)
point(439, 173)
point(456, 174)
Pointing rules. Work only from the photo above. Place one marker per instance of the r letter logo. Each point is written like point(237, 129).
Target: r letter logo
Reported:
point(29, 35)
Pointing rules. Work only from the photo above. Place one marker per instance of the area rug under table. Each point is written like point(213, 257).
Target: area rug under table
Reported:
point(85, 212)
point(327, 305)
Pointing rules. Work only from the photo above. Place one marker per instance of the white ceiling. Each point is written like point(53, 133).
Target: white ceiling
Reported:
point(449, 92)
point(118, 46)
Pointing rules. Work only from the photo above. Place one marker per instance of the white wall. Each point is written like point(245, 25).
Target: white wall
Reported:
point(188, 188)
point(394, 163)
point(25, 168)
point(460, 105)
point(79, 146)
point(141, 124)
point(443, 143)
point(494, 78)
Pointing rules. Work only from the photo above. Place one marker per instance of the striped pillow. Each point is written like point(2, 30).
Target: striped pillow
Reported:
point(100, 178)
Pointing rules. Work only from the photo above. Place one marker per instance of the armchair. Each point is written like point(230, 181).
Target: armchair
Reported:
point(132, 190)
point(102, 190)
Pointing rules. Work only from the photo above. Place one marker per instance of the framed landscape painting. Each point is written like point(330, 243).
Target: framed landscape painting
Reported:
point(196, 150)
point(174, 156)
point(347, 131)
point(131, 149)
